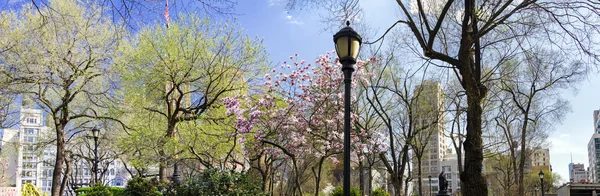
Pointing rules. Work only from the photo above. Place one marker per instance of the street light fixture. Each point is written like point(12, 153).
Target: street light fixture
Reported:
point(542, 181)
point(347, 44)
point(430, 189)
point(95, 133)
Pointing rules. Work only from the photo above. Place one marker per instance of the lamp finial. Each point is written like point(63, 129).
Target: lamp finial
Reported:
point(347, 23)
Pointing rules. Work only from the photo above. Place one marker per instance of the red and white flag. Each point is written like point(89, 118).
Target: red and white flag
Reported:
point(167, 13)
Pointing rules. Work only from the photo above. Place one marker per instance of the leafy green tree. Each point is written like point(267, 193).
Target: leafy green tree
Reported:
point(173, 77)
point(60, 57)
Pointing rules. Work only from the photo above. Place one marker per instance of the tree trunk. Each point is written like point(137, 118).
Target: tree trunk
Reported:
point(524, 154)
point(419, 175)
point(370, 182)
point(318, 175)
point(162, 171)
point(472, 179)
point(361, 178)
point(296, 177)
point(66, 176)
point(397, 186)
point(59, 162)
point(407, 180)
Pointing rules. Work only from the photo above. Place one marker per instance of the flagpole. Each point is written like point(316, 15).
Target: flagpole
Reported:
point(167, 13)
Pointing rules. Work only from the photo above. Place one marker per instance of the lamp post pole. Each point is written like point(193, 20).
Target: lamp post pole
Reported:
point(542, 181)
point(347, 69)
point(347, 43)
point(430, 189)
point(95, 132)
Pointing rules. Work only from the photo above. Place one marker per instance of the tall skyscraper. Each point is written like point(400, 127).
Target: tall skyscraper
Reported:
point(430, 124)
point(594, 150)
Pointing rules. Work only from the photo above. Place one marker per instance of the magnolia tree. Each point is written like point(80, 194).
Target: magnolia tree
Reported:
point(300, 115)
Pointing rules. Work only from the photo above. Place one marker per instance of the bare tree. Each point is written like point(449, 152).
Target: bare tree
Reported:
point(407, 113)
point(530, 101)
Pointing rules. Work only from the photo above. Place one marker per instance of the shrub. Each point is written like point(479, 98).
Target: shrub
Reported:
point(139, 186)
point(379, 192)
point(88, 191)
point(224, 183)
point(30, 190)
point(98, 190)
point(339, 191)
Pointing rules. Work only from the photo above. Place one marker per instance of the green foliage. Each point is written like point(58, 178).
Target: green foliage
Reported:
point(379, 192)
point(101, 191)
point(30, 190)
point(339, 191)
point(203, 60)
point(217, 182)
point(139, 186)
point(98, 190)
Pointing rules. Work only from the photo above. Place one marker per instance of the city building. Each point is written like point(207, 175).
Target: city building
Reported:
point(594, 150)
point(577, 173)
point(540, 160)
point(570, 189)
point(27, 156)
point(27, 161)
point(450, 168)
point(430, 125)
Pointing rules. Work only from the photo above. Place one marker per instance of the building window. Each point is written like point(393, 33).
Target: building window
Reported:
point(30, 139)
point(446, 168)
point(31, 120)
point(31, 131)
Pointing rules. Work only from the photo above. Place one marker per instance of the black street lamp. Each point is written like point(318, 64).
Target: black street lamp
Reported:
point(95, 133)
point(347, 44)
point(542, 181)
point(176, 178)
point(430, 189)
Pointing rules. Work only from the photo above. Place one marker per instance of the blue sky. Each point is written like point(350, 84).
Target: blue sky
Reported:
point(302, 32)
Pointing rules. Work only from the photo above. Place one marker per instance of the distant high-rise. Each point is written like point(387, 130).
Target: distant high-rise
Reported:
point(577, 173)
point(430, 123)
point(594, 150)
point(540, 160)
point(596, 118)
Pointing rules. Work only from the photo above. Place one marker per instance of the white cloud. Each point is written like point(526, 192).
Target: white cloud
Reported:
point(564, 135)
point(291, 20)
point(272, 3)
point(11, 2)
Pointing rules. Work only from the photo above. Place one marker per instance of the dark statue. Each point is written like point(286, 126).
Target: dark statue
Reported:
point(443, 184)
